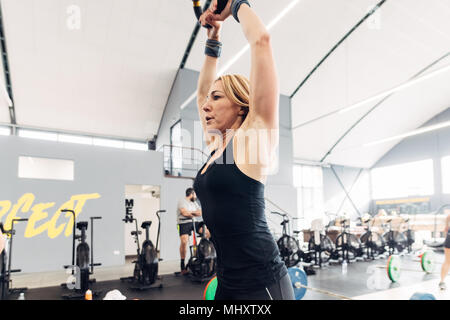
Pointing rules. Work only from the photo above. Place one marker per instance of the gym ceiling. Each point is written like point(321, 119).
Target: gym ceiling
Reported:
point(113, 75)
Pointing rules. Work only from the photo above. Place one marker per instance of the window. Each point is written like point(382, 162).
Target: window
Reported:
point(108, 143)
point(41, 135)
point(309, 183)
point(445, 165)
point(79, 139)
point(176, 151)
point(69, 138)
point(44, 168)
point(5, 131)
point(135, 146)
point(403, 180)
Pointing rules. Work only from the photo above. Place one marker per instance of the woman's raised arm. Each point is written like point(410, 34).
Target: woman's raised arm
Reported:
point(264, 90)
point(209, 70)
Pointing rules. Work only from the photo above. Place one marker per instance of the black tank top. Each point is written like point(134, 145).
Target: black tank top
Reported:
point(233, 210)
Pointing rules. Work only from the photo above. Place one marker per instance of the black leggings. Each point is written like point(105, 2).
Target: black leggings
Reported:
point(281, 290)
point(447, 241)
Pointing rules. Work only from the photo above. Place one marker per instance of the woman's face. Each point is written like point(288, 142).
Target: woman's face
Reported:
point(219, 112)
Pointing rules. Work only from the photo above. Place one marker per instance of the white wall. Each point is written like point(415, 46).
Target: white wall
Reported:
point(101, 170)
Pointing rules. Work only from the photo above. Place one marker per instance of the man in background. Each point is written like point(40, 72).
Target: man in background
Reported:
point(188, 211)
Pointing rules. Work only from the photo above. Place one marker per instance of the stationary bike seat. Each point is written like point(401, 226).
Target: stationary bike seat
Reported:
point(146, 224)
point(82, 224)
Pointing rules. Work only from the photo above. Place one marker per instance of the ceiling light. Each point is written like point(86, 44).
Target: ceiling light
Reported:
point(377, 96)
point(135, 146)
point(108, 143)
point(41, 135)
point(395, 89)
point(5, 131)
point(412, 133)
point(74, 139)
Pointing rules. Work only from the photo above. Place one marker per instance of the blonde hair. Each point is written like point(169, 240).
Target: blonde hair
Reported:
point(237, 89)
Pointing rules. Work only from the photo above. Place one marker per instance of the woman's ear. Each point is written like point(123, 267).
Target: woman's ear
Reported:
point(243, 112)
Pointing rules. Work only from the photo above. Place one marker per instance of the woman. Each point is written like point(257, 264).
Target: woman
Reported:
point(230, 185)
point(446, 264)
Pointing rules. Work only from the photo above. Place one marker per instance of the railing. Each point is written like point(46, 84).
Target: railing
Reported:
point(182, 161)
point(274, 221)
point(278, 207)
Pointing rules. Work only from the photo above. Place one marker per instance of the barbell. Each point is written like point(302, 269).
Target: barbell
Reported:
point(299, 279)
point(299, 283)
point(393, 266)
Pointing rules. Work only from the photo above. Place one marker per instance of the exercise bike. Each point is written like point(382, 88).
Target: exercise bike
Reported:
point(409, 235)
point(145, 274)
point(5, 263)
point(202, 263)
point(84, 264)
point(371, 241)
point(287, 245)
point(348, 245)
point(395, 240)
point(437, 241)
point(323, 249)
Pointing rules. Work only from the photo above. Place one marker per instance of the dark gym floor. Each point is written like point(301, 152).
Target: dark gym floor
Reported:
point(328, 278)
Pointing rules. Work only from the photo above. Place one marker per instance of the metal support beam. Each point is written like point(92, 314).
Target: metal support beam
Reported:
point(371, 12)
point(345, 190)
point(6, 70)
point(193, 38)
point(350, 190)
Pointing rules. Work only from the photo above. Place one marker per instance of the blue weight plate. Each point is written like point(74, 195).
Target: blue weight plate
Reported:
point(298, 276)
point(422, 296)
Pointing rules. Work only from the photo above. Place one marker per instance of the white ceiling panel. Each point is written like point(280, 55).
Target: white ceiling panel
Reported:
point(403, 112)
point(370, 62)
point(304, 37)
point(314, 140)
point(412, 35)
point(382, 58)
point(112, 76)
point(361, 157)
point(326, 92)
